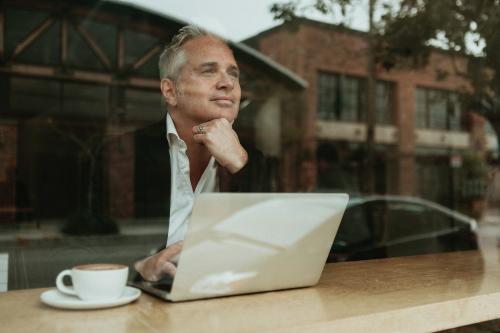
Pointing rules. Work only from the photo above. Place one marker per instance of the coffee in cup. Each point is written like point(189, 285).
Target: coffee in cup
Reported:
point(94, 282)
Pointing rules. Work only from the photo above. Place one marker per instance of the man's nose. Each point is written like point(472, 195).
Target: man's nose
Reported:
point(225, 81)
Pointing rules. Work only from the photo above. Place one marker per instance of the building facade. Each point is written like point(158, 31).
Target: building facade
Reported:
point(73, 73)
point(424, 137)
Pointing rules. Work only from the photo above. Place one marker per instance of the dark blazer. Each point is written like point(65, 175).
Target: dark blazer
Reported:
point(152, 172)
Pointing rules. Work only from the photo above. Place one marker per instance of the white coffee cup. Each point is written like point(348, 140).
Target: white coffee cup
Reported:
point(94, 282)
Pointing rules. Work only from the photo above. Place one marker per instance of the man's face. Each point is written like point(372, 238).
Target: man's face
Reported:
point(208, 85)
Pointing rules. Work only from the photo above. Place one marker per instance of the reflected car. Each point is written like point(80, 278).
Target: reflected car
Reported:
point(383, 226)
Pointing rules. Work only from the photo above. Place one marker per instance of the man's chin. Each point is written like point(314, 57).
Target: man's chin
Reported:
point(229, 116)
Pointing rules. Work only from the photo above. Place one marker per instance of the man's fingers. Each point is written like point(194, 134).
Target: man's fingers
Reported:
point(222, 142)
point(167, 268)
point(139, 265)
point(200, 138)
point(171, 251)
point(155, 267)
point(201, 128)
point(176, 247)
point(167, 260)
point(160, 270)
point(200, 133)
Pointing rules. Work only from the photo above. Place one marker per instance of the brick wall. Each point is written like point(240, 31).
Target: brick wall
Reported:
point(8, 160)
point(120, 170)
point(311, 47)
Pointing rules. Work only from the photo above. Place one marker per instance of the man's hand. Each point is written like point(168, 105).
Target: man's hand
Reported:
point(222, 142)
point(163, 263)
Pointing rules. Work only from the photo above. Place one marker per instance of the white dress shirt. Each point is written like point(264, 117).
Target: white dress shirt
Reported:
point(181, 191)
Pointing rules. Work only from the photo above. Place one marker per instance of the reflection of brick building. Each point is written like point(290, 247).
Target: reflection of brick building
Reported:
point(420, 124)
point(75, 72)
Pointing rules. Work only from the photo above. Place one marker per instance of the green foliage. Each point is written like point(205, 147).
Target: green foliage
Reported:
point(406, 28)
point(474, 166)
point(473, 177)
point(288, 11)
point(284, 11)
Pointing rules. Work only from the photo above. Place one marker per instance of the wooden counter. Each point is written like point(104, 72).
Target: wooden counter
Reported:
point(409, 294)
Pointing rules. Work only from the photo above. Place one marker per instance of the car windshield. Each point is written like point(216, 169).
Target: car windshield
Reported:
point(357, 225)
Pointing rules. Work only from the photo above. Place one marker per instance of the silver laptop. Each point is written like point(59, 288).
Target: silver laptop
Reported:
point(240, 243)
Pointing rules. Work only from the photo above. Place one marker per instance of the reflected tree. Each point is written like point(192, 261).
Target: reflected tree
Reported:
point(406, 29)
point(89, 219)
point(464, 27)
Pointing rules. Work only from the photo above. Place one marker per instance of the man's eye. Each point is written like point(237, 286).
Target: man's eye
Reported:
point(208, 71)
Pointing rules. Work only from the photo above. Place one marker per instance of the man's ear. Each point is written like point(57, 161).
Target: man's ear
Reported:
point(168, 91)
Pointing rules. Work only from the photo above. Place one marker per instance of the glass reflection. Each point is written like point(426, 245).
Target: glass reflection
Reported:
point(75, 84)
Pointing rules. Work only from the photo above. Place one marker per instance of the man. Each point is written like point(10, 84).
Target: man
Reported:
point(201, 89)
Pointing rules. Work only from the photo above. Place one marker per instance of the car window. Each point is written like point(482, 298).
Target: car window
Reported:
point(359, 225)
point(354, 227)
point(440, 220)
point(407, 219)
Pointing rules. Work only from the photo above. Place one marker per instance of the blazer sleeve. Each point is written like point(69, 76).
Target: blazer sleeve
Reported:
point(253, 177)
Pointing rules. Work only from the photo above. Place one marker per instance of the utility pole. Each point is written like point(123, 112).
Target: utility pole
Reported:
point(370, 105)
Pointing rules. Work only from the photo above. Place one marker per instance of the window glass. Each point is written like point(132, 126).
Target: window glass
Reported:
point(488, 128)
point(19, 23)
point(137, 44)
point(384, 103)
point(338, 167)
point(104, 35)
point(46, 98)
point(421, 108)
point(84, 159)
point(84, 100)
point(438, 178)
point(358, 226)
point(149, 68)
point(440, 221)
point(454, 112)
point(142, 105)
point(80, 54)
point(34, 96)
point(406, 220)
point(351, 98)
point(438, 109)
point(342, 98)
point(45, 49)
point(328, 96)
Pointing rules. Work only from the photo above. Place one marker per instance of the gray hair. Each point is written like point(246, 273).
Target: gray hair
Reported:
point(172, 58)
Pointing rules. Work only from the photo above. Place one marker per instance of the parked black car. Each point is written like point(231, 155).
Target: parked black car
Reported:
point(382, 226)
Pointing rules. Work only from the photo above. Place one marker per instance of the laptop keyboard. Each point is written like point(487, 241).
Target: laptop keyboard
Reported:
point(164, 284)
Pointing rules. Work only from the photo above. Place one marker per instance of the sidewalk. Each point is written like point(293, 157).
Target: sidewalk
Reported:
point(490, 216)
point(50, 229)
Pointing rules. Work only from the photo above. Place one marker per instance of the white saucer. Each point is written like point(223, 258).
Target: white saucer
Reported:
point(59, 300)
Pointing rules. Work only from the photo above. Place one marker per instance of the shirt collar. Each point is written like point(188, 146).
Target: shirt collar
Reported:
point(170, 129)
point(173, 135)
